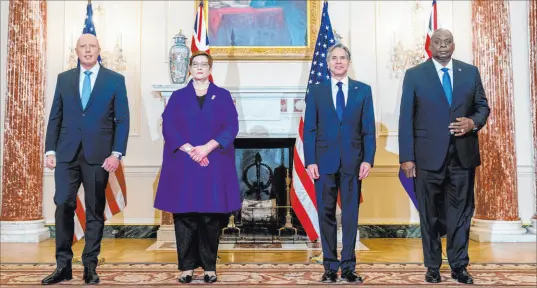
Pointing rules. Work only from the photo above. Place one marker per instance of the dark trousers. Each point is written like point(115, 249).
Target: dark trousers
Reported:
point(197, 236)
point(447, 193)
point(326, 190)
point(68, 177)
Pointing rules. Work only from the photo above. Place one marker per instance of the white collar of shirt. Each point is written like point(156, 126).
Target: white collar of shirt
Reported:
point(439, 66)
point(334, 82)
point(344, 87)
point(94, 70)
point(440, 73)
point(93, 76)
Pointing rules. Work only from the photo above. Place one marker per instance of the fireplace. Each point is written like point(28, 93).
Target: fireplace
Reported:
point(264, 169)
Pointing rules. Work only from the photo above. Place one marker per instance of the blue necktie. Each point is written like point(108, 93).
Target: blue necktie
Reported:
point(86, 89)
point(340, 101)
point(446, 82)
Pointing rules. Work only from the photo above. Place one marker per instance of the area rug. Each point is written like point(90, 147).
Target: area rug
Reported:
point(270, 275)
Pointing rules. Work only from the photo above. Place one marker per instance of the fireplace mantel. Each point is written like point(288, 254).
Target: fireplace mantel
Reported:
point(264, 112)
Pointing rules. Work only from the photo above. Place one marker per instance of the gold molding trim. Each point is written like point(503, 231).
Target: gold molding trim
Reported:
point(271, 52)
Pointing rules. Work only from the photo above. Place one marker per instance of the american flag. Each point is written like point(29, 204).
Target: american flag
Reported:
point(200, 38)
point(116, 189)
point(432, 24)
point(303, 193)
point(89, 28)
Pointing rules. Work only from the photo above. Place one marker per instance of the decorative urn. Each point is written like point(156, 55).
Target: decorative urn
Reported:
point(179, 56)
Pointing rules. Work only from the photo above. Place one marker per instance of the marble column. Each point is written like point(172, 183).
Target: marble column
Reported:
point(496, 217)
point(21, 219)
point(166, 231)
point(532, 22)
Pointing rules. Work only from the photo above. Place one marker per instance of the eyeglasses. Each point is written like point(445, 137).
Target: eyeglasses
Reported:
point(203, 65)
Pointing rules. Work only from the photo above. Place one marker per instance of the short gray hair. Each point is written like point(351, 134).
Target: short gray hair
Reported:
point(339, 45)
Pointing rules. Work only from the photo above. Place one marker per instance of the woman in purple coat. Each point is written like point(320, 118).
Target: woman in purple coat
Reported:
point(198, 181)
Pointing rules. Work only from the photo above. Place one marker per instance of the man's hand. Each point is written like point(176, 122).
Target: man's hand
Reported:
point(313, 171)
point(462, 126)
point(110, 164)
point(409, 168)
point(50, 162)
point(365, 168)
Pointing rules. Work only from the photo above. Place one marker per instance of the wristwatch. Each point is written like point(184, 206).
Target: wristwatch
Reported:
point(118, 155)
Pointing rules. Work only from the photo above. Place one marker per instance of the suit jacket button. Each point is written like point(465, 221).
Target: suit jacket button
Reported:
point(83, 114)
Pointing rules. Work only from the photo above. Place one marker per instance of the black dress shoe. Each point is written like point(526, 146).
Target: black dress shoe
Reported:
point(329, 277)
point(210, 278)
point(351, 276)
point(462, 275)
point(185, 279)
point(90, 275)
point(433, 275)
point(59, 275)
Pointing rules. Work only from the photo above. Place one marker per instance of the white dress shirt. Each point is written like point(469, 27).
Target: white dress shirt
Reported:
point(439, 67)
point(93, 76)
point(344, 87)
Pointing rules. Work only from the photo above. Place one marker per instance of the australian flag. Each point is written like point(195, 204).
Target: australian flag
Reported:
point(89, 28)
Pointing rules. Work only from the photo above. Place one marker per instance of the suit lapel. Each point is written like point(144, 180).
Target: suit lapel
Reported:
point(75, 85)
point(432, 76)
point(457, 80)
point(329, 98)
point(97, 87)
point(352, 97)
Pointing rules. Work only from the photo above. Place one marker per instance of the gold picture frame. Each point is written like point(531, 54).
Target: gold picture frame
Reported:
point(270, 52)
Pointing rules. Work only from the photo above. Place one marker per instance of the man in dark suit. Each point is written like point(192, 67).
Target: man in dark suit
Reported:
point(443, 107)
point(339, 148)
point(87, 135)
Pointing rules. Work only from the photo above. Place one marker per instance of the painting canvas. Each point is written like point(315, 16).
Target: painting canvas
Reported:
point(261, 29)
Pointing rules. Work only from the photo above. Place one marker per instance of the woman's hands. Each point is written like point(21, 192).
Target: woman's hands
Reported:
point(194, 154)
point(200, 153)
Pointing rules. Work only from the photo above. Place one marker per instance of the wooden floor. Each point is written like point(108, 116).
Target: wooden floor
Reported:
point(380, 251)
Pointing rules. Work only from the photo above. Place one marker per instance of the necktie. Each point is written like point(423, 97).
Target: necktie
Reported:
point(86, 89)
point(446, 82)
point(340, 101)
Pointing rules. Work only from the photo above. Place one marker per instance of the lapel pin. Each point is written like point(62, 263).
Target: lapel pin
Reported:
point(460, 69)
point(212, 98)
point(355, 87)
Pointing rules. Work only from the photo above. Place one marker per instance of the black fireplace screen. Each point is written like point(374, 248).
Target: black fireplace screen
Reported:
point(264, 168)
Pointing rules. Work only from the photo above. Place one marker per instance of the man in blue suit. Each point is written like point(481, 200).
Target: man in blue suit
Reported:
point(87, 135)
point(339, 148)
point(443, 107)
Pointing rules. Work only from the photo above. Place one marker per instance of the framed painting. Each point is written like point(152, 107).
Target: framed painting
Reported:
point(262, 29)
